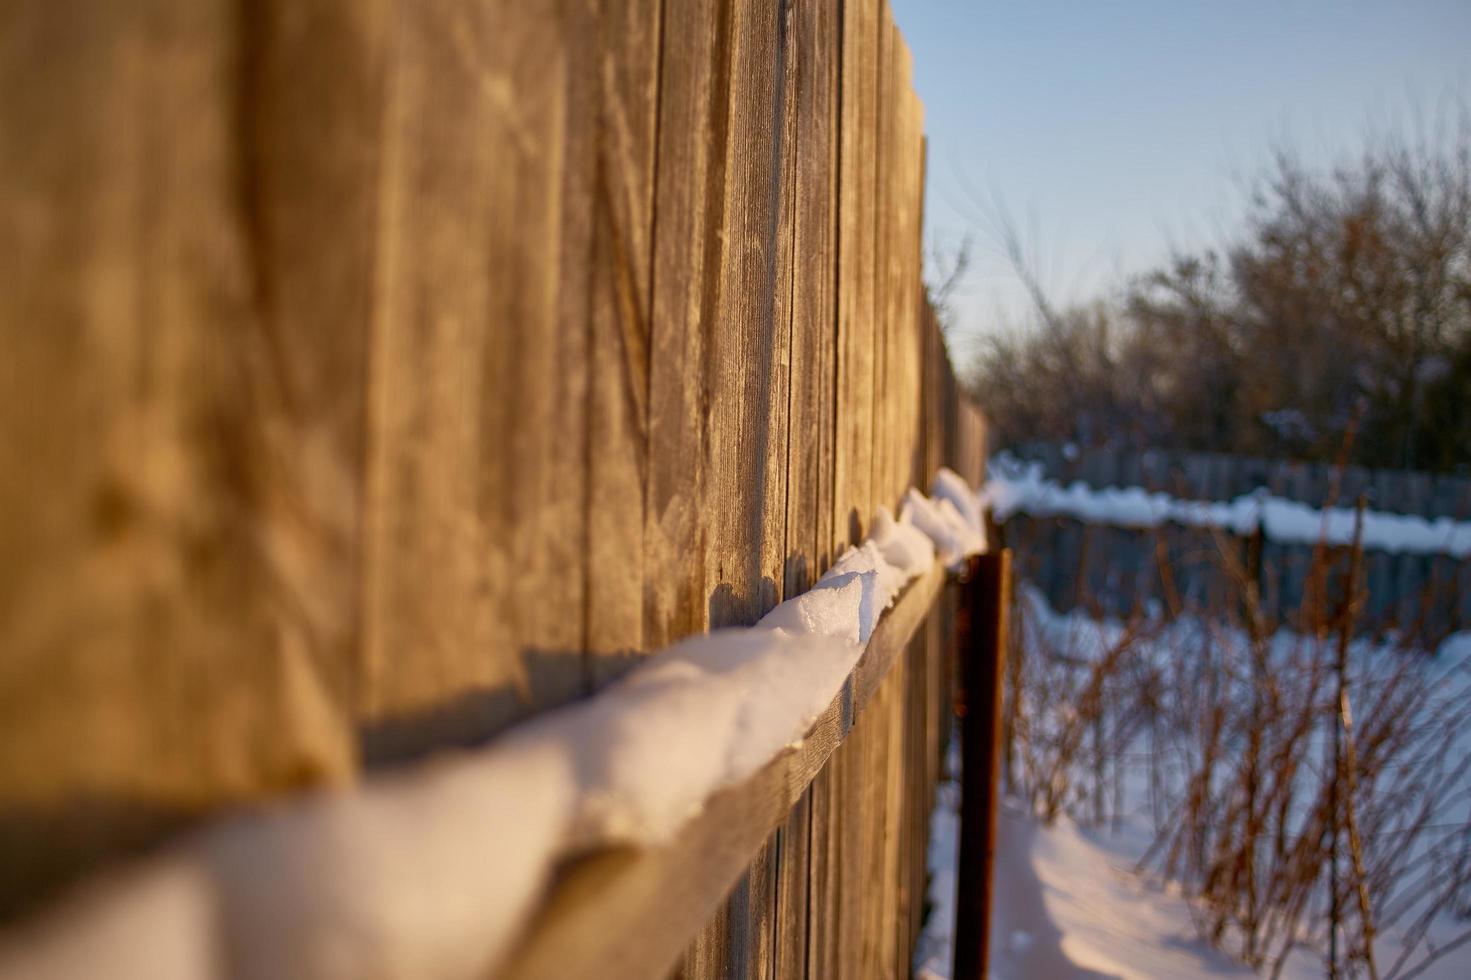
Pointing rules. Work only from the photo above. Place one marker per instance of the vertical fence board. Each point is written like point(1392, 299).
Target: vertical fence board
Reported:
point(825, 863)
point(748, 355)
point(794, 891)
point(882, 233)
point(627, 51)
point(853, 468)
point(811, 150)
point(750, 391)
point(476, 481)
point(690, 204)
point(167, 644)
point(889, 923)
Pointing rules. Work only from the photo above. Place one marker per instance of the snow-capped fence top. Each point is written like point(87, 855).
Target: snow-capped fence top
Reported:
point(1223, 477)
point(1099, 527)
point(1021, 488)
point(695, 756)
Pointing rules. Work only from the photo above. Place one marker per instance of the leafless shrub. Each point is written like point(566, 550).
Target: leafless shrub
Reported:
point(1224, 727)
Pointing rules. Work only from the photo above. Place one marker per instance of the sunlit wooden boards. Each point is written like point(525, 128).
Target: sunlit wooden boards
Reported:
point(508, 382)
point(689, 195)
point(853, 495)
point(327, 352)
point(810, 119)
point(380, 374)
point(487, 319)
point(749, 385)
point(179, 456)
point(821, 186)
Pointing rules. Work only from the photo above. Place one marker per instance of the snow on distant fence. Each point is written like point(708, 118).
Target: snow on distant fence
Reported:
point(1014, 487)
point(384, 375)
point(1086, 536)
point(1219, 477)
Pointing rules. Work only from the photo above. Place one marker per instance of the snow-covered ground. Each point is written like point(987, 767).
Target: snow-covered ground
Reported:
point(1074, 908)
point(1069, 900)
point(1068, 906)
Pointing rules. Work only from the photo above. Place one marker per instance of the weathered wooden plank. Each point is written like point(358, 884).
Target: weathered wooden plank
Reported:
point(839, 937)
point(625, 45)
point(627, 913)
point(750, 385)
point(474, 539)
point(889, 922)
point(177, 602)
point(970, 450)
point(825, 863)
point(751, 946)
point(688, 248)
point(709, 954)
point(855, 761)
point(884, 770)
point(883, 218)
point(748, 353)
point(794, 890)
point(921, 785)
point(898, 264)
point(910, 468)
point(813, 86)
point(875, 893)
point(853, 468)
point(811, 180)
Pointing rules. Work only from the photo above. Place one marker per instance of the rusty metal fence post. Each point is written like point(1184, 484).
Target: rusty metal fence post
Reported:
point(987, 599)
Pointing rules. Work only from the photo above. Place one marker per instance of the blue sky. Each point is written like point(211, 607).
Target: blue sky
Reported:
point(1117, 129)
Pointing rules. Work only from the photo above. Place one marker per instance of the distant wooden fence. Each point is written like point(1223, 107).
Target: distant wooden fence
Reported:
point(1221, 476)
point(1115, 570)
point(377, 375)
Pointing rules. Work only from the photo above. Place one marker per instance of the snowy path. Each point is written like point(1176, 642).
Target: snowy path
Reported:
point(1027, 942)
point(1068, 906)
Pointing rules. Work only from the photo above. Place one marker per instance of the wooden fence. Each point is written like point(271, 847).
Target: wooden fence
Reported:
point(1221, 476)
point(380, 374)
point(1116, 570)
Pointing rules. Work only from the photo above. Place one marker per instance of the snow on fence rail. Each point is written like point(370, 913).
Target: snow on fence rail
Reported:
point(1222, 476)
point(1013, 487)
point(385, 375)
point(1112, 547)
point(431, 873)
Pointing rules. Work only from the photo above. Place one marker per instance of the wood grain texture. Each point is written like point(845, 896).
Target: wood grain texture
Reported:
point(381, 374)
point(883, 230)
point(750, 394)
point(813, 88)
point(688, 249)
point(825, 869)
point(175, 604)
point(748, 352)
point(625, 48)
point(853, 494)
point(476, 488)
point(793, 890)
point(809, 190)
